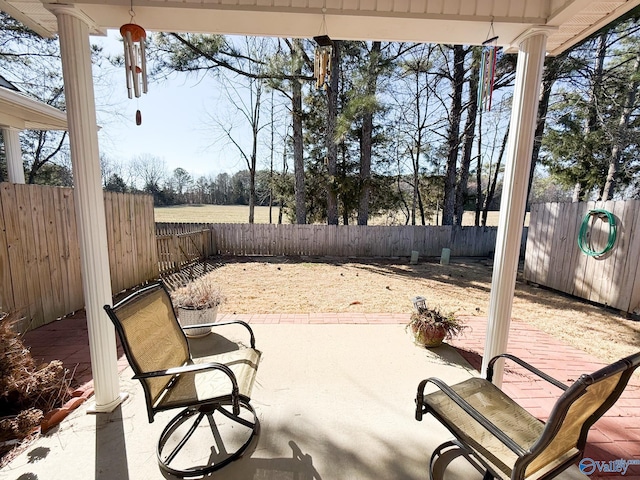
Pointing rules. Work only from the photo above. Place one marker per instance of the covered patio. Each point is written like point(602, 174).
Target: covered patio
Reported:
point(343, 409)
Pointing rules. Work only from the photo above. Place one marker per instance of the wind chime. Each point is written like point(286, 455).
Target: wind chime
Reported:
point(322, 61)
point(135, 64)
point(487, 73)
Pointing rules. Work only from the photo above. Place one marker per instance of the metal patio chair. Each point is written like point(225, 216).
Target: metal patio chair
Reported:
point(220, 385)
point(501, 439)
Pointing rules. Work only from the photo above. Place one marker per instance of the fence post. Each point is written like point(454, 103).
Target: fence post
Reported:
point(175, 252)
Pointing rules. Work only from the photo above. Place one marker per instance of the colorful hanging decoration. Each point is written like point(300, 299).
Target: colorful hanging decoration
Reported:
point(487, 73)
point(135, 63)
point(322, 60)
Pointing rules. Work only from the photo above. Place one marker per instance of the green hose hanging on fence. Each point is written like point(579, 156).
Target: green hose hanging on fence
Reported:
point(584, 243)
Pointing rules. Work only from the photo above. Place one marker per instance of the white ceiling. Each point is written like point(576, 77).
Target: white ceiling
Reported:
point(435, 21)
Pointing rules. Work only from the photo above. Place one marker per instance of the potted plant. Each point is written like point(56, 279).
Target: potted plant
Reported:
point(430, 327)
point(197, 303)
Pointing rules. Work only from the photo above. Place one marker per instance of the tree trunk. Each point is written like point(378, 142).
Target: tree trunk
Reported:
point(469, 134)
point(272, 149)
point(620, 141)
point(549, 76)
point(453, 137)
point(479, 174)
point(298, 146)
point(254, 153)
point(491, 191)
point(332, 147)
point(591, 122)
point(367, 134)
point(577, 192)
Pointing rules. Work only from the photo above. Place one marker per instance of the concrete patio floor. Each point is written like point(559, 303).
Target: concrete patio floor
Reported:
point(335, 399)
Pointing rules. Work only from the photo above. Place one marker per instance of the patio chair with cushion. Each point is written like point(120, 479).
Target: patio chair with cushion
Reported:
point(503, 440)
point(220, 385)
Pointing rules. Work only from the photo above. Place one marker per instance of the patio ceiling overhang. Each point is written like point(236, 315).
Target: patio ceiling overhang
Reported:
point(24, 113)
point(435, 21)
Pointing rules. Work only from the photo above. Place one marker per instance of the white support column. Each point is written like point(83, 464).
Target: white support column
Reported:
point(524, 113)
point(73, 28)
point(13, 151)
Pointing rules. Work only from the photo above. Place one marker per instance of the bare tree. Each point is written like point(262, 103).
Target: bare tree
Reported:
point(245, 94)
point(148, 171)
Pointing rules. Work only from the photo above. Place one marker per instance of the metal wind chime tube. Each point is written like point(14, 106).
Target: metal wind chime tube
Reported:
point(487, 73)
point(134, 58)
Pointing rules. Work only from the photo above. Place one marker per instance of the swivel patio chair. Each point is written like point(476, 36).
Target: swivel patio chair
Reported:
point(502, 440)
point(158, 352)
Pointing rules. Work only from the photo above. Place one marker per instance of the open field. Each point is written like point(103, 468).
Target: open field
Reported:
point(240, 214)
point(214, 214)
point(307, 285)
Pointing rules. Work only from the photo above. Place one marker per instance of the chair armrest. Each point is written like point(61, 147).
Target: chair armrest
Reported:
point(185, 369)
point(525, 365)
point(226, 322)
point(468, 408)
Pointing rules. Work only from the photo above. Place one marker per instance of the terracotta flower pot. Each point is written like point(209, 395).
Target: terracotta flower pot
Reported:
point(429, 336)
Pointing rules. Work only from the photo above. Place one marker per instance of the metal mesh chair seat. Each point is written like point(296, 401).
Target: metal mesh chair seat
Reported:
point(200, 387)
point(207, 387)
point(522, 427)
point(502, 439)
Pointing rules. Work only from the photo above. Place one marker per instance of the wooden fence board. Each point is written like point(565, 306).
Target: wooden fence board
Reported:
point(529, 271)
point(61, 241)
point(74, 252)
point(558, 246)
point(17, 301)
point(30, 258)
point(111, 231)
point(53, 250)
point(608, 286)
point(43, 272)
point(572, 271)
point(634, 271)
point(629, 269)
point(6, 292)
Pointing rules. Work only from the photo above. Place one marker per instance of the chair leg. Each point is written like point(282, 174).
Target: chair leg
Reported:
point(446, 453)
point(187, 448)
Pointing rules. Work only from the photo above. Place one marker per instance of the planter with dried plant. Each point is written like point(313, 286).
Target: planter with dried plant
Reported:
point(196, 304)
point(430, 327)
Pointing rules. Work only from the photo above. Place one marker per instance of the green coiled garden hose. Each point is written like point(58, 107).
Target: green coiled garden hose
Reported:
point(583, 241)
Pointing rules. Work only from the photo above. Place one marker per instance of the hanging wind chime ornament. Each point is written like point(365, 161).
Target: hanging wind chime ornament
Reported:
point(135, 64)
point(322, 60)
point(487, 73)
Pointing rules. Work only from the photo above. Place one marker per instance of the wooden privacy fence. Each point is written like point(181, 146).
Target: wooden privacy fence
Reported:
point(40, 275)
point(553, 258)
point(175, 251)
point(353, 240)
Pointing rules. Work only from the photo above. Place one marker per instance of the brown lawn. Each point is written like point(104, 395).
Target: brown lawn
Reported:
point(306, 285)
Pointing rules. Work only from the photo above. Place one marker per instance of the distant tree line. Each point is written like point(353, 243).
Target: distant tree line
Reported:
point(395, 127)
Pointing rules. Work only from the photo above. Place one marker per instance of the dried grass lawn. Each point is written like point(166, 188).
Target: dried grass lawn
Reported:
point(307, 285)
point(240, 214)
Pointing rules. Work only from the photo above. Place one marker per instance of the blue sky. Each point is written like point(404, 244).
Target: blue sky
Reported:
point(173, 120)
